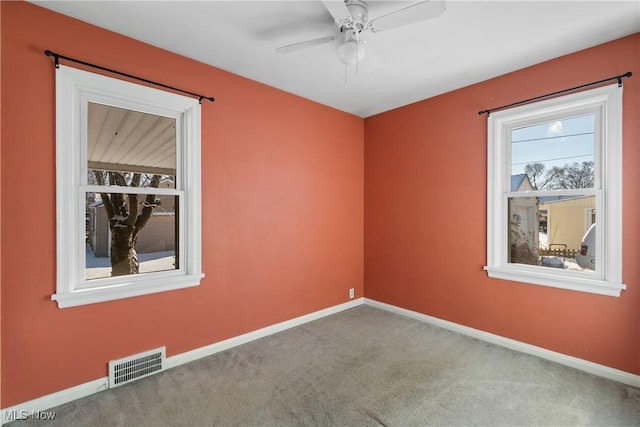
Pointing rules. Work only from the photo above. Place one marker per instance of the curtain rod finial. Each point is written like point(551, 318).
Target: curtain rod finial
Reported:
point(55, 57)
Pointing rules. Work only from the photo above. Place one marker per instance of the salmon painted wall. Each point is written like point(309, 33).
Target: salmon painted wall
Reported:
point(425, 216)
point(282, 211)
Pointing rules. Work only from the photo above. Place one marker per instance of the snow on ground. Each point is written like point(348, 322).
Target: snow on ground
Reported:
point(542, 237)
point(569, 263)
point(98, 268)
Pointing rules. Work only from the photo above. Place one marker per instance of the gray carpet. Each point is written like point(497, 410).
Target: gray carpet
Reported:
point(362, 367)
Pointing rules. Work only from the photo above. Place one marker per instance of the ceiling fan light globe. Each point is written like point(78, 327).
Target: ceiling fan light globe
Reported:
point(351, 52)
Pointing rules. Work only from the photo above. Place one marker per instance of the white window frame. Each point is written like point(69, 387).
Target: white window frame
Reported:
point(606, 102)
point(74, 90)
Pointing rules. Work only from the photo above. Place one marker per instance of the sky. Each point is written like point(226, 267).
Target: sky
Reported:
point(553, 143)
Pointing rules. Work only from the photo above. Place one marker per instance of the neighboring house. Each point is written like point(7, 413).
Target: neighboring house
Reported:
point(521, 182)
point(568, 219)
point(523, 214)
point(98, 235)
point(158, 235)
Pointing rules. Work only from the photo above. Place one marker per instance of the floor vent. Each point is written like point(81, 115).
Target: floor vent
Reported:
point(131, 368)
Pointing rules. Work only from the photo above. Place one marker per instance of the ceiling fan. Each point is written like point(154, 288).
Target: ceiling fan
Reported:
point(352, 18)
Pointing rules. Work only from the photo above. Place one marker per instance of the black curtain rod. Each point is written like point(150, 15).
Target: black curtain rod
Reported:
point(57, 58)
point(618, 78)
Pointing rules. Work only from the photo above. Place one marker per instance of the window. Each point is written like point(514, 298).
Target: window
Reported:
point(128, 189)
point(552, 165)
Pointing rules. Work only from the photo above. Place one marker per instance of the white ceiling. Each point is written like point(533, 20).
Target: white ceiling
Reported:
point(471, 42)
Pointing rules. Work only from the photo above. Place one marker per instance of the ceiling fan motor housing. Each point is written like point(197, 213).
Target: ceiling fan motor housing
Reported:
point(359, 12)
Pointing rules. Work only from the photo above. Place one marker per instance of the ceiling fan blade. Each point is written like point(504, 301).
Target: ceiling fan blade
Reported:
point(337, 9)
point(305, 44)
point(409, 15)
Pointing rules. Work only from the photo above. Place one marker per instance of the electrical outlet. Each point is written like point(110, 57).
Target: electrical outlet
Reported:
point(351, 293)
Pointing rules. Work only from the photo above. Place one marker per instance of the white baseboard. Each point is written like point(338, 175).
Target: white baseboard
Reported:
point(41, 404)
point(563, 359)
point(64, 396)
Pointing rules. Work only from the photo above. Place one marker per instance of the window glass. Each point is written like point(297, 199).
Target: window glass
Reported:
point(557, 240)
point(123, 141)
point(548, 230)
point(556, 154)
point(130, 233)
point(154, 244)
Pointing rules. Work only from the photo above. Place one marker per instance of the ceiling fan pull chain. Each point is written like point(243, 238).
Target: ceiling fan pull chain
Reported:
point(346, 86)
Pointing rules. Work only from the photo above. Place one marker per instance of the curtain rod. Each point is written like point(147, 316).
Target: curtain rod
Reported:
point(57, 58)
point(618, 78)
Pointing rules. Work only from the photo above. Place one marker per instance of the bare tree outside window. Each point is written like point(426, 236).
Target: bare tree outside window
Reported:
point(571, 175)
point(127, 217)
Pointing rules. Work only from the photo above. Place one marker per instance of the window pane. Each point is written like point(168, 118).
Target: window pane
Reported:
point(130, 144)
point(556, 154)
point(130, 233)
point(557, 231)
point(116, 246)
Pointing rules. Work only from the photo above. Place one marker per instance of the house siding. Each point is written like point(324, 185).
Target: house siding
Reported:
point(562, 226)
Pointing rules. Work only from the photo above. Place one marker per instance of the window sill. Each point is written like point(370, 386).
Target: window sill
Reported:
point(581, 284)
point(125, 290)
